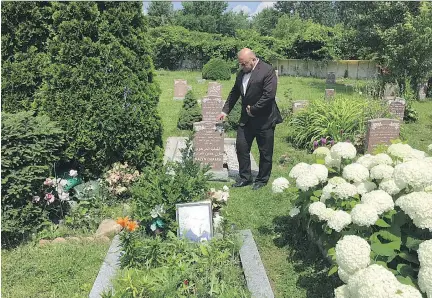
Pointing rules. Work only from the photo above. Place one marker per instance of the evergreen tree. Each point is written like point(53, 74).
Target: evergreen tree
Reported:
point(190, 112)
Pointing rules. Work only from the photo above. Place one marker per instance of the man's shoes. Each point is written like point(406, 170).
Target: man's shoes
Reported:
point(242, 183)
point(257, 186)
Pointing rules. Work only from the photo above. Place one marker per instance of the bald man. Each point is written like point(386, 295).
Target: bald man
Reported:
point(256, 84)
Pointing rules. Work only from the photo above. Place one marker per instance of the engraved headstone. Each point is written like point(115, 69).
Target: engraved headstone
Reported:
point(209, 144)
point(180, 89)
point(211, 108)
point(381, 131)
point(214, 89)
point(390, 91)
point(331, 78)
point(422, 91)
point(329, 93)
point(397, 107)
point(298, 105)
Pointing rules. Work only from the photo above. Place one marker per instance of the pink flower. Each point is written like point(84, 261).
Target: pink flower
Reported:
point(49, 197)
point(48, 182)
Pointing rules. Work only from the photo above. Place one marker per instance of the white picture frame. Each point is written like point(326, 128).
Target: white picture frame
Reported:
point(195, 221)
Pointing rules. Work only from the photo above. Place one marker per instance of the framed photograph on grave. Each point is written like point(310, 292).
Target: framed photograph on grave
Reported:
point(195, 221)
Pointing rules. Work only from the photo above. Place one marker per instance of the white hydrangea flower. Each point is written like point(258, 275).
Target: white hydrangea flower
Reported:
point(352, 253)
point(364, 187)
point(339, 220)
point(317, 208)
point(427, 160)
point(415, 173)
point(327, 214)
point(321, 151)
point(378, 199)
point(425, 253)
point(343, 275)
point(414, 154)
point(368, 161)
point(391, 187)
point(418, 206)
point(337, 180)
point(345, 191)
point(428, 189)
point(299, 169)
point(430, 148)
point(332, 161)
point(373, 281)
point(342, 292)
point(355, 172)
point(344, 150)
point(320, 171)
point(364, 215)
point(382, 159)
point(307, 181)
point(407, 291)
point(399, 150)
point(217, 220)
point(326, 192)
point(381, 172)
point(280, 184)
point(425, 280)
point(294, 211)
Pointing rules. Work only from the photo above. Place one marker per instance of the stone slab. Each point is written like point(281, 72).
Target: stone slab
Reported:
point(174, 144)
point(381, 131)
point(108, 270)
point(253, 268)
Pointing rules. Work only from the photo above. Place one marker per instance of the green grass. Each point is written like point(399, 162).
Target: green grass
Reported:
point(61, 270)
point(294, 265)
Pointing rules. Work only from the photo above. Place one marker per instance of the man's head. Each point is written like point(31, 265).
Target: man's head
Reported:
point(246, 59)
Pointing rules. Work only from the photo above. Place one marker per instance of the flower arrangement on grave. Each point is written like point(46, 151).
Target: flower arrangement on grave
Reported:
point(219, 199)
point(157, 224)
point(372, 214)
point(119, 178)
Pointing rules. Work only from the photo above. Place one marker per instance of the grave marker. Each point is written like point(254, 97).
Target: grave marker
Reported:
point(209, 144)
point(397, 107)
point(214, 89)
point(381, 131)
point(422, 91)
point(180, 89)
point(331, 78)
point(211, 108)
point(329, 94)
point(298, 105)
point(390, 91)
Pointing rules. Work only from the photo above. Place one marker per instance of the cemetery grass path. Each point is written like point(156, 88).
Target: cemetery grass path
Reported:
point(294, 265)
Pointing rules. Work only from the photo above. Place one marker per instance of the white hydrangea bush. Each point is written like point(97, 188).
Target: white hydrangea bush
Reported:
point(364, 208)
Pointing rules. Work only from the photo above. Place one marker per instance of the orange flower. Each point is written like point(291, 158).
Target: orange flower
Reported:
point(123, 221)
point(132, 226)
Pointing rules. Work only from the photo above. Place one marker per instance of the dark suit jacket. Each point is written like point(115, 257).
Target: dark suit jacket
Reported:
point(260, 95)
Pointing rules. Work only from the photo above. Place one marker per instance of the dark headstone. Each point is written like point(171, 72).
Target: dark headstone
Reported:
point(329, 93)
point(209, 144)
point(390, 91)
point(214, 89)
point(397, 107)
point(298, 105)
point(331, 78)
point(381, 131)
point(211, 108)
point(422, 91)
point(180, 89)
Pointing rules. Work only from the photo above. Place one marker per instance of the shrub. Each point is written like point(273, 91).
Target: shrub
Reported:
point(30, 145)
point(216, 69)
point(160, 188)
point(340, 119)
point(234, 117)
point(190, 112)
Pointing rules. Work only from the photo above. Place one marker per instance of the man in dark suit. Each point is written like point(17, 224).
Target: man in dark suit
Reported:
point(256, 84)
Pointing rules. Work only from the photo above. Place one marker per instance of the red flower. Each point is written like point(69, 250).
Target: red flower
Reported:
point(186, 282)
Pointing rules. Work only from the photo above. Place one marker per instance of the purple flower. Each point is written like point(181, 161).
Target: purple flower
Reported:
point(348, 141)
point(323, 141)
point(315, 144)
point(332, 142)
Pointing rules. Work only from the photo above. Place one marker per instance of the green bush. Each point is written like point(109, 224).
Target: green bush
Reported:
point(30, 146)
point(233, 117)
point(216, 69)
point(166, 186)
point(340, 119)
point(190, 112)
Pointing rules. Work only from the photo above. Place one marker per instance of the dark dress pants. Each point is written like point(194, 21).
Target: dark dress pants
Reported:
point(265, 140)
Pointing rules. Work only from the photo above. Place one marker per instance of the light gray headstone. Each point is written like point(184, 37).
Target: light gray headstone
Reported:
point(381, 131)
point(390, 91)
point(214, 89)
point(180, 89)
point(209, 144)
point(298, 105)
point(397, 107)
point(422, 91)
point(211, 107)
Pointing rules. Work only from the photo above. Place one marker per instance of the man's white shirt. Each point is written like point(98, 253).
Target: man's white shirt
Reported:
point(246, 78)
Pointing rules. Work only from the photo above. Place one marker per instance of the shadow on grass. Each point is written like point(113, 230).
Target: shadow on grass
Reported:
point(307, 260)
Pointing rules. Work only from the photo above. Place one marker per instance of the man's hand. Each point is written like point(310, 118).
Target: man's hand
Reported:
point(221, 116)
point(248, 111)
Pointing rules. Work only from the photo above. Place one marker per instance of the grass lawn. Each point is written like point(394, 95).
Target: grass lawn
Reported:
point(54, 271)
point(294, 265)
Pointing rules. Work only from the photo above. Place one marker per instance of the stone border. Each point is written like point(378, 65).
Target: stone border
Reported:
point(108, 270)
point(253, 268)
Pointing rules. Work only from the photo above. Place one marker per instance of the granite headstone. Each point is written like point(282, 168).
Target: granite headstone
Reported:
point(180, 89)
point(390, 91)
point(381, 131)
point(331, 78)
point(422, 91)
point(397, 107)
point(329, 94)
point(214, 89)
point(211, 108)
point(209, 144)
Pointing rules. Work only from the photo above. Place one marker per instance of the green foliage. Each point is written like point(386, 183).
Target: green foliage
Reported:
point(174, 183)
point(30, 145)
point(265, 21)
point(170, 267)
point(233, 117)
point(410, 114)
point(216, 69)
point(190, 112)
point(160, 13)
point(340, 119)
